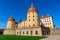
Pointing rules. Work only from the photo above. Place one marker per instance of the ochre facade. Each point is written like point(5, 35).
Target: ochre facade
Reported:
point(32, 19)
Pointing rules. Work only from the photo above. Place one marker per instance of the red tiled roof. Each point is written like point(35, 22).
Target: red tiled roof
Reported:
point(11, 19)
point(45, 17)
point(32, 9)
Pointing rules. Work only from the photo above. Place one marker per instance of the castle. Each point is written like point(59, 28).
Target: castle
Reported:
point(32, 26)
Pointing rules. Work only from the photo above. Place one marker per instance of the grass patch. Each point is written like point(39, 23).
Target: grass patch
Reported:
point(15, 37)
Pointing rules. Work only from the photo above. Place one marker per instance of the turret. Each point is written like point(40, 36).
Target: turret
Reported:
point(10, 23)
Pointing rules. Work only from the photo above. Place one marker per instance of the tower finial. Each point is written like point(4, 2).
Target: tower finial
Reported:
point(32, 5)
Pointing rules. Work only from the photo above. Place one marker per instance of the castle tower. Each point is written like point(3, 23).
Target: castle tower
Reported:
point(32, 17)
point(10, 23)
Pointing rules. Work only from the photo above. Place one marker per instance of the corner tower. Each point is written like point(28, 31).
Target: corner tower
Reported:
point(32, 17)
point(10, 23)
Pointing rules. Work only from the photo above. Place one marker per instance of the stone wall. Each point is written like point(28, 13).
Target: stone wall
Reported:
point(29, 31)
point(9, 32)
point(55, 32)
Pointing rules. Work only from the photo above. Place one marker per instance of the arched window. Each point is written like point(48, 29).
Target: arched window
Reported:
point(20, 32)
point(17, 32)
point(23, 32)
point(31, 32)
point(26, 32)
point(36, 32)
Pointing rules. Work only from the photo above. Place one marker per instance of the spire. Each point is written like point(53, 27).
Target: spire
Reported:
point(32, 5)
point(32, 9)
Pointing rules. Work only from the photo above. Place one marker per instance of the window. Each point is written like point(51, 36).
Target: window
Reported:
point(33, 25)
point(36, 32)
point(17, 32)
point(33, 19)
point(33, 12)
point(31, 32)
point(50, 23)
point(29, 19)
point(46, 23)
point(29, 25)
point(26, 32)
point(44, 20)
point(49, 18)
point(33, 15)
point(23, 32)
point(29, 16)
point(20, 32)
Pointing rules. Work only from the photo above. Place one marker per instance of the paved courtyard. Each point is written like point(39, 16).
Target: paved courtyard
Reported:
point(52, 37)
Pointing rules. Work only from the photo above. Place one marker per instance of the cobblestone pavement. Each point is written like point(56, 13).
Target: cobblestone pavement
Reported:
point(52, 37)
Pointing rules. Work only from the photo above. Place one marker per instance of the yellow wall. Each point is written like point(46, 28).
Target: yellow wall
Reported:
point(31, 22)
point(22, 24)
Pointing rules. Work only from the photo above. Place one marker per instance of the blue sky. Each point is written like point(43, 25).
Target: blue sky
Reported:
point(18, 9)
